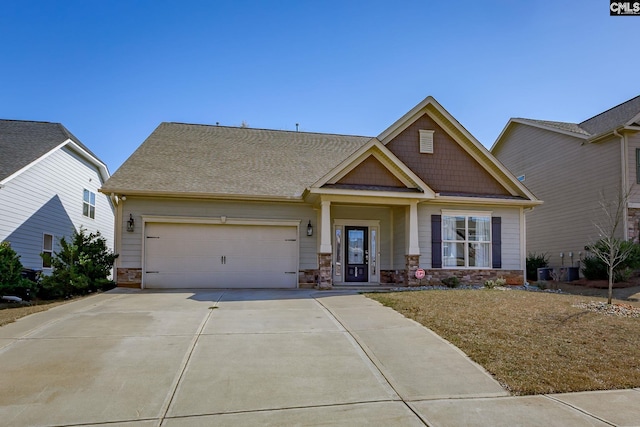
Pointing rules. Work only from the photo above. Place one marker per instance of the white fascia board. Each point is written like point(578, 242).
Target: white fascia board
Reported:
point(187, 196)
point(485, 201)
point(368, 194)
point(102, 168)
point(405, 121)
point(383, 155)
point(485, 159)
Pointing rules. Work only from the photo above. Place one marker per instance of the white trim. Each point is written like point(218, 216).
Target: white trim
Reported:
point(386, 157)
point(426, 141)
point(366, 193)
point(157, 219)
point(102, 168)
point(53, 242)
point(535, 125)
point(371, 224)
point(219, 220)
point(456, 212)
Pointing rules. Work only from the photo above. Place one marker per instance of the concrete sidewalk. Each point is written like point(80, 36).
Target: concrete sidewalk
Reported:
point(180, 358)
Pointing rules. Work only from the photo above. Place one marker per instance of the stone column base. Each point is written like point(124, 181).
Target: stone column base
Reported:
point(412, 263)
point(325, 280)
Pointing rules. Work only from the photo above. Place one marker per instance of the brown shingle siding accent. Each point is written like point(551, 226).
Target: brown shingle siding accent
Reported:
point(371, 172)
point(450, 168)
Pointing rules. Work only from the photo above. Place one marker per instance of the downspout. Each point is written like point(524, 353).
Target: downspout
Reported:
point(117, 229)
point(624, 182)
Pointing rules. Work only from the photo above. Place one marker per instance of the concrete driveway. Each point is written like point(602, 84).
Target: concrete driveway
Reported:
point(238, 358)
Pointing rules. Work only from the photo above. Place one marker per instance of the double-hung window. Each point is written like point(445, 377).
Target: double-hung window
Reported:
point(47, 250)
point(466, 240)
point(89, 204)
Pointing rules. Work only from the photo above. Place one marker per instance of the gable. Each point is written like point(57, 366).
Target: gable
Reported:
point(371, 172)
point(449, 169)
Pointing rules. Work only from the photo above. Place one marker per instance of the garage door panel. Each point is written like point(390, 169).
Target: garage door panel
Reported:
point(220, 256)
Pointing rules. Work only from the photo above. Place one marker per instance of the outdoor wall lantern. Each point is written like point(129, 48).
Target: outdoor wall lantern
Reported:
point(309, 229)
point(130, 224)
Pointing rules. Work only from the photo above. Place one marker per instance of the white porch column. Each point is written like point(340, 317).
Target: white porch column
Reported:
point(413, 245)
point(325, 227)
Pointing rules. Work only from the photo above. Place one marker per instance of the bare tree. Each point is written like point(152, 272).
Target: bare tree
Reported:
point(610, 249)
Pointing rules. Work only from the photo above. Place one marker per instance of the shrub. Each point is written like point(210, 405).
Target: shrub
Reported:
point(81, 266)
point(11, 280)
point(534, 262)
point(451, 282)
point(491, 284)
point(593, 268)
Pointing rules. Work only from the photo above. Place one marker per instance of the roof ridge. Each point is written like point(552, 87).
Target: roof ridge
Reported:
point(29, 121)
point(268, 130)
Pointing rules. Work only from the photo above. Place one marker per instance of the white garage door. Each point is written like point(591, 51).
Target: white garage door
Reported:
point(220, 256)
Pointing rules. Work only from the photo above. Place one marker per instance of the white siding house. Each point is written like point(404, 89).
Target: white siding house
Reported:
point(49, 185)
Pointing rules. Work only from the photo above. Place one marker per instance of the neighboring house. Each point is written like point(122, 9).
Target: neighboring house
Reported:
point(571, 166)
point(212, 206)
point(49, 185)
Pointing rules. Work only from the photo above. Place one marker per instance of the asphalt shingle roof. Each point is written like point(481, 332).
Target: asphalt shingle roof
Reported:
point(180, 158)
point(22, 142)
point(612, 118)
point(600, 124)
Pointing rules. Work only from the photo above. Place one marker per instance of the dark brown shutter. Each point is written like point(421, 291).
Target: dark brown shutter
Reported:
point(436, 241)
point(496, 242)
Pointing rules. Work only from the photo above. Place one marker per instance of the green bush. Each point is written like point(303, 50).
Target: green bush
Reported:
point(534, 262)
point(11, 280)
point(451, 282)
point(81, 266)
point(491, 284)
point(593, 268)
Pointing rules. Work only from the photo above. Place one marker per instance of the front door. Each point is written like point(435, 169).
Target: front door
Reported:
point(357, 254)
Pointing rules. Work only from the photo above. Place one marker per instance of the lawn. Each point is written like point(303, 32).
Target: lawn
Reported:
point(9, 313)
point(531, 342)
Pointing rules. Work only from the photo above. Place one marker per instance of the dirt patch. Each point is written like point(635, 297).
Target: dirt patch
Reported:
point(600, 288)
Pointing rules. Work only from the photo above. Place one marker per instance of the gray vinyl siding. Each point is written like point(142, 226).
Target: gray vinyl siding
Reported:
point(568, 174)
point(511, 236)
point(130, 246)
point(47, 198)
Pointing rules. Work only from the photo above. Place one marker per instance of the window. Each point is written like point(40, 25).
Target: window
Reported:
point(47, 250)
point(89, 204)
point(466, 240)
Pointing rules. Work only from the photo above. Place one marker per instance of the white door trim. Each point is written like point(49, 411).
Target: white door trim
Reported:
point(372, 224)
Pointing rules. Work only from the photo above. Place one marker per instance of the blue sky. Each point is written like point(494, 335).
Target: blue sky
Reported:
point(111, 71)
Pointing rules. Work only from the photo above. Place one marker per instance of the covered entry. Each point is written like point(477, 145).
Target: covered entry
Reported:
point(188, 255)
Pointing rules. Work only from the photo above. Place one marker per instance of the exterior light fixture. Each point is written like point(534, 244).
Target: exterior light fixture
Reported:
point(309, 229)
point(130, 224)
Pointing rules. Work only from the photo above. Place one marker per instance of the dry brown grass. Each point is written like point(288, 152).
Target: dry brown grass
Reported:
point(11, 313)
point(533, 343)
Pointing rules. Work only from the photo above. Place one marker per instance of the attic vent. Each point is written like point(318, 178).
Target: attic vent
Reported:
point(426, 141)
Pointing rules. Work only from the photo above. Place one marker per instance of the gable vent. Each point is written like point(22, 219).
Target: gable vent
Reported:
point(426, 141)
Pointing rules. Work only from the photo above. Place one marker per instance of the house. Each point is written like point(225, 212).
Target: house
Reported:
point(572, 167)
point(212, 206)
point(49, 185)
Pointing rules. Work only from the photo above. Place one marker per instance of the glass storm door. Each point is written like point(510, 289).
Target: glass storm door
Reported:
point(356, 254)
